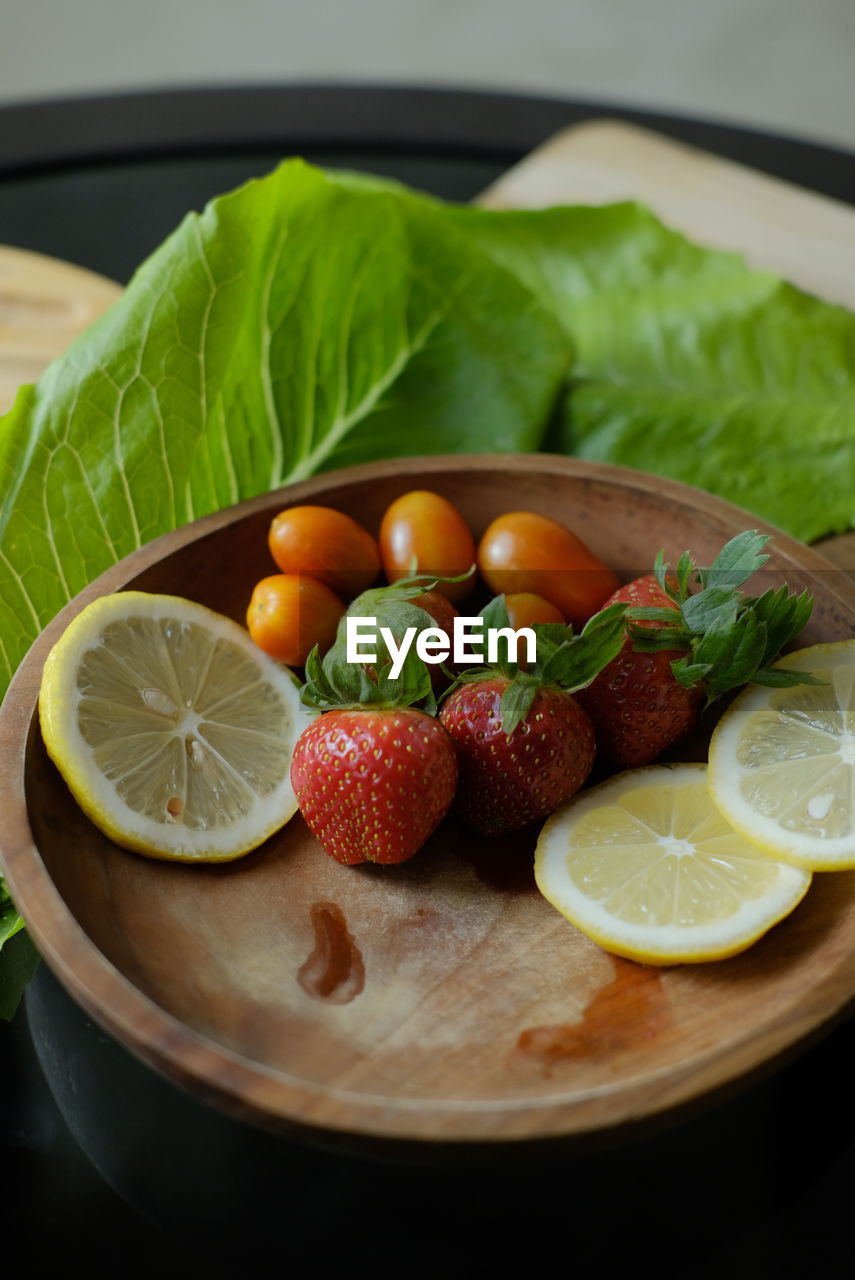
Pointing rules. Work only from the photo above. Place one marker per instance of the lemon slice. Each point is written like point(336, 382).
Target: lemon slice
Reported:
point(782, 762)
point(173, 731)
point(647, 867)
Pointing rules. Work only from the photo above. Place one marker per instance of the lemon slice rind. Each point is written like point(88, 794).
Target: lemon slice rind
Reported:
point(560, 853)
point(221, 837)
point(800, 789)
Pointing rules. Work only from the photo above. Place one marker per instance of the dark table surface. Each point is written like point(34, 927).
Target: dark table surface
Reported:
point(106, 1164)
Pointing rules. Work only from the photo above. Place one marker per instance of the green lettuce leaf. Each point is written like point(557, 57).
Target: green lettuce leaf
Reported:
point(18, 963)
point(689, 364)
point(18, 958)
point(302, 322)
point(10, 921)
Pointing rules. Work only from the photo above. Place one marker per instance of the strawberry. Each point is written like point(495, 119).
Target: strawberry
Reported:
point(375, 775)
point(510, 780)
point(637, 706)
point(373, 783)
point(684, 649)
point(523, 742)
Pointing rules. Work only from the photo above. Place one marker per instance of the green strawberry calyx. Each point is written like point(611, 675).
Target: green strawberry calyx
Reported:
point(564, 661)
point(409, 588)
point(333, 683)
point(729, 639)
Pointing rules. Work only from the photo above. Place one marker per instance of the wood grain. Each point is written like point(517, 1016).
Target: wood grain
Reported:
point(44, 305)
point(442, 1001)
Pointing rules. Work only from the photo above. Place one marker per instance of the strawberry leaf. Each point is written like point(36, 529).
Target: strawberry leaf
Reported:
point(688, 673)
point(783, 615)
point(685, 569)
point(517, 700)
point(576, 662)
point(495, 614)
point(366, 604)
point(783, 678)
point(660, 572)
point(471, 675)
point(658, 639)
point(652, 613)
point(714, 606)
point(411, 685)
point(334, 683)
point(675, 586)
point(320, 690)
point(737, 560)
point(733, 653)
point(550, 636)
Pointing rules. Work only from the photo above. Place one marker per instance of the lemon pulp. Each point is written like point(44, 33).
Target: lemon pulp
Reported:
point(782, 762)
point(171, 728)
point(647, 867)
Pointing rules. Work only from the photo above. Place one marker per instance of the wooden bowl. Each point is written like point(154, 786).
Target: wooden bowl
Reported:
point(441, 1002)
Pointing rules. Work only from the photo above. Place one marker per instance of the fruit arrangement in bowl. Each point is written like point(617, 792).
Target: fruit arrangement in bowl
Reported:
point(178, 744)
point(384, 965)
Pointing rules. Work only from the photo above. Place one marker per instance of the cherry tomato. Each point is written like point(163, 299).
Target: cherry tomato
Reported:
point(289, 614)
point(327, 545)
point(525, 609)
point(424, 533)
point(525, 552)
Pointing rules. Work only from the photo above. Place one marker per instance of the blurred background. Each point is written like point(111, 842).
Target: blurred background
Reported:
point(783, 65)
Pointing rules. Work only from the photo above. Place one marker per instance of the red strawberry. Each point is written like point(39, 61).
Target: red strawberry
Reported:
point(510, 780)
point(686, 648)
point(636, 705)
point(373, 784)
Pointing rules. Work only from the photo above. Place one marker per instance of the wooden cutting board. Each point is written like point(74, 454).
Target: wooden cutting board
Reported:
point(804, 237)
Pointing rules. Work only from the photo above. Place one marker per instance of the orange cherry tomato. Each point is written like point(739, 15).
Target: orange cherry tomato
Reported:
point(327, 545)
point(424, 533)
point(525, 552)
point(289, 614)
point(525, 609)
